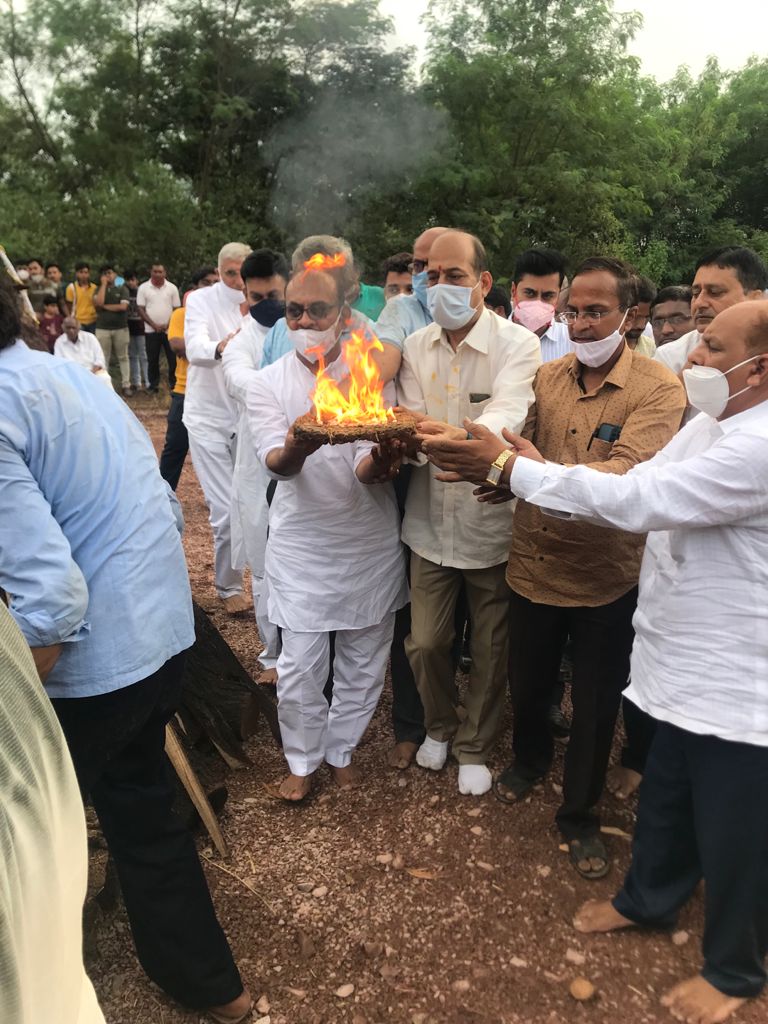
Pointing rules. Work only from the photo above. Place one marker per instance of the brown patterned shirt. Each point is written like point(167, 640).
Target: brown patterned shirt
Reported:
point(566, 563)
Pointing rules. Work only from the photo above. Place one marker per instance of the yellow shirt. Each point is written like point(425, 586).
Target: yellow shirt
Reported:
point(85, 311)
point(176, 330)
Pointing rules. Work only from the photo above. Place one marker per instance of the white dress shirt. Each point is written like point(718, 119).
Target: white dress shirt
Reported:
point(158, 303)
point(700, 659)
point(489, 379)
point(212, 314)
point(674, 354)
point(86, 350)
point(334, 558)
point(240, 362)
point(555, 342)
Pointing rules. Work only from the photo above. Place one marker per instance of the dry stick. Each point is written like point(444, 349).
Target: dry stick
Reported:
point(242, 881)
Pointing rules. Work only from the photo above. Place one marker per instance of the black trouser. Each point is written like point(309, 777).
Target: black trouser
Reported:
point(601, 641)
point(703, 813)
point(117, 743)
point(639, 730)
point(176, 443)
point(155, 341)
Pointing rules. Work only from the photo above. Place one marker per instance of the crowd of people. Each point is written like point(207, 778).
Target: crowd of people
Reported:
point(585, 487)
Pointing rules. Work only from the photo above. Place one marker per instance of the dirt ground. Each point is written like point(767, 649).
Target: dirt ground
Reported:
point(437, 908)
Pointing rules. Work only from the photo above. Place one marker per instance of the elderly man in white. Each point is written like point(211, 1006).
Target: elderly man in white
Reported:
point(214, 317)
point(700, 659)
point(468, 362)
point(265, 275)
point(81, 347)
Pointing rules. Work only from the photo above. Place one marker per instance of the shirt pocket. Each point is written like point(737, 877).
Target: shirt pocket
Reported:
point(475, 409)
point(599, 450)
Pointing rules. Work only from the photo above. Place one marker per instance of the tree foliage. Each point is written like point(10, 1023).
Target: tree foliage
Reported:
point(136, 130)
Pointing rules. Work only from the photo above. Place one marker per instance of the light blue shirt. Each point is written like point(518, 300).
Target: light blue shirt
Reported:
point(90, 552)
point(277, 342)
point(400, 318)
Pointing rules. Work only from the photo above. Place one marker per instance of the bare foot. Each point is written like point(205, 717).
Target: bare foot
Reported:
point(238, 1010)
point(622, 782)
point(346, 778)
point(295, 787)
point(268, 677)
point(599, 916)
point(402, 754)
point(238, 604)
point(695, 1001)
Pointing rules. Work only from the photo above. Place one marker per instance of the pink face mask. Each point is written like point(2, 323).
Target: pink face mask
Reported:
point(534, 314)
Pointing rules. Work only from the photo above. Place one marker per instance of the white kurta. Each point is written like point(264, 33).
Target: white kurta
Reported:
point(334, 558)
point(700, 659)
point(249, 511)
point(212, 314)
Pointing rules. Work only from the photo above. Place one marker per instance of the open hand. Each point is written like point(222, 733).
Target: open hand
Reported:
point(468, 459)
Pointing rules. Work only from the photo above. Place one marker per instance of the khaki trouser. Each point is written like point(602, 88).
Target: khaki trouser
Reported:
point(119, 340)
point(434, 592)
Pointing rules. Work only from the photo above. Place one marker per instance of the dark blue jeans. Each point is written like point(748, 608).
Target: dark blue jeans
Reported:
point(176, 443)
point(703, 813)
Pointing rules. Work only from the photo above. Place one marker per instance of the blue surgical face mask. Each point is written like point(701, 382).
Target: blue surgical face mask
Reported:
point(450, 305)
point(267, 312)
point(419, 282)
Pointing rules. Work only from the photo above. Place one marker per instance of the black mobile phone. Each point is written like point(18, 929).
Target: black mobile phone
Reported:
point(609, 432)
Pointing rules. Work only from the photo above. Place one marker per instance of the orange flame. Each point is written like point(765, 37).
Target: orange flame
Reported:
point(364, 403)
point(322, 262)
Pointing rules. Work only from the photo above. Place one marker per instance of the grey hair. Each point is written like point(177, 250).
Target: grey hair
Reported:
point(233, 251)
point(328, 245)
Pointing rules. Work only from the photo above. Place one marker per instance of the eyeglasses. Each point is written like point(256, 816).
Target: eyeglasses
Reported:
point(592, 316)
point(676, 320)
point(417, 266)
point(315, 310)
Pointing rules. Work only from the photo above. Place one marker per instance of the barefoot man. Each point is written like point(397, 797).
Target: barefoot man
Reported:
point(700, 660)
point(334, 561)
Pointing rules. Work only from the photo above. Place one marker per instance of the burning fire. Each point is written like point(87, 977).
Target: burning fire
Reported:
point(322, 262)
point(364, 403)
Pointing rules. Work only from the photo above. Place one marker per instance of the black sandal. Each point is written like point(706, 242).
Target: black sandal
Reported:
point(589, 848)
point(510, 778)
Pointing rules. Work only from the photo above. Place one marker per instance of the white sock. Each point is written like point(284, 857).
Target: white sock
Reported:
point(474, 779)
point(432, 754)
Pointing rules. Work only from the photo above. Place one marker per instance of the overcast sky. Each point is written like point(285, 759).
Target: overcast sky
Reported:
point(675, 31)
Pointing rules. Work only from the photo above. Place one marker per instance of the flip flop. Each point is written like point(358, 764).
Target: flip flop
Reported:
point(510, 778)
point(220, 1019)
point(589, 848)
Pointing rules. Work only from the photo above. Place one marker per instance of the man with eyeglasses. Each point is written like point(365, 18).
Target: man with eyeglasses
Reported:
point(607, 407)
point(214, 316)
point(671, 314)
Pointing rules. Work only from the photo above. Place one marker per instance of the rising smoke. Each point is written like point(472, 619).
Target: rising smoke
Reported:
point(342, 150)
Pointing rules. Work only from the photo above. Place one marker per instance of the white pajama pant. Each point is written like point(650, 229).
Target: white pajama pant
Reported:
point(311, 731)
point(212, 457)
point(268, 631)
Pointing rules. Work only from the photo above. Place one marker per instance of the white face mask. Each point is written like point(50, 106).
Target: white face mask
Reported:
point(235, 295)
point(450, 305)
point(303, 339)
point(595, 353)
point(707, 387)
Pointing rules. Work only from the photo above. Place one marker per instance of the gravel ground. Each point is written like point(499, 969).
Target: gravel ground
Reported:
point(403, 901)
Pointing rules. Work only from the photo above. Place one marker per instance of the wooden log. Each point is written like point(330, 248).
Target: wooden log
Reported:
point(178, 758)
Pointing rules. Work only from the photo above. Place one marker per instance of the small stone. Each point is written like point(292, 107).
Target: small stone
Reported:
point(384, 858)
point(484, 865)
point(429, 839)
point(398, 863)
point(389, 950)
point(680, 938)
point(544, 870)
point(263, 1005)
point(305, 886)
point(402, 782)
point(345, 991)
point(373, 948)
point(389, 971)
point(476, 830)
point(320, 891)
point(324, 799)
point(517, 962)
point(573, 956)
point(298, 993)
point(264, 1020)
point(582, 990)
point(306, 945)
point(462, 985)
point(434, 800)
point(475, 812)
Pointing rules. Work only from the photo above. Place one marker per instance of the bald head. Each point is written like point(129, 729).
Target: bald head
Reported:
point(423, 243)
point(468, 247)
point(746, 323)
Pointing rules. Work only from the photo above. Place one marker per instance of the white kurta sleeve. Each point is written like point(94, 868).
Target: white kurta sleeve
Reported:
point(200, 346)
point(96, 352)
point(512, 392)
point(267, 420)
point(240, 364)
point(724, 484)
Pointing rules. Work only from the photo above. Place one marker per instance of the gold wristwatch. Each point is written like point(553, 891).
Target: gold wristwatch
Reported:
point(494, 473)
